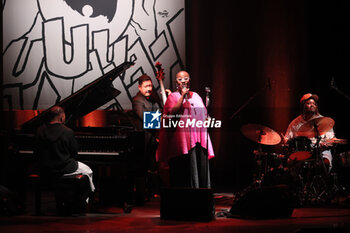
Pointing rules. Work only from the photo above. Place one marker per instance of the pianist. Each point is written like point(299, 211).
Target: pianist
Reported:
point(57, 148)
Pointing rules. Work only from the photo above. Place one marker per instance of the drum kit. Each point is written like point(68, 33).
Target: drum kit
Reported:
point(300, 165)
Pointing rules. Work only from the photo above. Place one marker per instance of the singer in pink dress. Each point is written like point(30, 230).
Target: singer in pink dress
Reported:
point(183, 144)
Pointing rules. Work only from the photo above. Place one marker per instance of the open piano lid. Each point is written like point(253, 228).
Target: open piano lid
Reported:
point(85, 100)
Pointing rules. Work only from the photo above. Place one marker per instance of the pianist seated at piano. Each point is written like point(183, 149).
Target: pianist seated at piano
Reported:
point(57, 148)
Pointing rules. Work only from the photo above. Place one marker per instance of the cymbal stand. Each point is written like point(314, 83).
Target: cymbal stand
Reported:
point(318, 187)
point(340, 92)
point(318, 153)
point(260, 173)
point(262, 165)
point(268, 85)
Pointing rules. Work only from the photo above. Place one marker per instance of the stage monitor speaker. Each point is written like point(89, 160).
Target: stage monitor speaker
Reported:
point(264, 203)
point(10, 203)
point(187, 204)
point(323, 230)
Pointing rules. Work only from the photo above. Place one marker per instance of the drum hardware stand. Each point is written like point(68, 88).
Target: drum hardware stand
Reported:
point(245, 104)
point(319, 188)
point(267, 86)
point(262, 166)
point(263, 136)
point(316, 190)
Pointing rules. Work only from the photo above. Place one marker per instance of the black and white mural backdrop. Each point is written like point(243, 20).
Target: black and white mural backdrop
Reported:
point(52, 48)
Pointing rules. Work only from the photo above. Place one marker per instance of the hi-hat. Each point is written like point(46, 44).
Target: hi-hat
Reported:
point(316, 126)
point(261, 134)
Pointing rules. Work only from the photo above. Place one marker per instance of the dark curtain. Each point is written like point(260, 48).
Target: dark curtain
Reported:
point(260, 57)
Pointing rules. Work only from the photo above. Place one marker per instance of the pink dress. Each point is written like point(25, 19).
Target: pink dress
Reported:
point(175, 141)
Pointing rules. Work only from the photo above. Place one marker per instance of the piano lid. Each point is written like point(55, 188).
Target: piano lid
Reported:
point(85, 100)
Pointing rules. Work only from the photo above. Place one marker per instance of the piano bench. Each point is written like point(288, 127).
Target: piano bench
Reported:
point(71, 193)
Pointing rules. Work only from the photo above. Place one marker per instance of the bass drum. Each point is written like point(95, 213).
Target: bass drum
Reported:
point(299, 148)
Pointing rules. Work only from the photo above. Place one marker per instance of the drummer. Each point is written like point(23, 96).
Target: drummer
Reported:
point(304, 125)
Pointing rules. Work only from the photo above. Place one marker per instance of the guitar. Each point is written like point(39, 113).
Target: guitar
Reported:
point(160, 77)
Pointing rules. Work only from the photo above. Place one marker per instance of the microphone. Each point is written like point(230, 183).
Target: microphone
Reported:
point(207, 91)
point(333, 83)
point(185, 86)
point(270, 84)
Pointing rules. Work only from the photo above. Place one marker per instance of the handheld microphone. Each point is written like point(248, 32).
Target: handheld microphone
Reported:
point(185, 86)
point(332, 83)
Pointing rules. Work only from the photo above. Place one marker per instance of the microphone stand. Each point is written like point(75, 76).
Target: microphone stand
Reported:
point(207, 100)
point(336, 89)
point(268, 85)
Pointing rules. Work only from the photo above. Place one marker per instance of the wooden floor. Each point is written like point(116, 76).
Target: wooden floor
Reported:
point(146, 218)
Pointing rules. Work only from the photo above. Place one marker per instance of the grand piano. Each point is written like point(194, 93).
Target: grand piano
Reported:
point(115, 152)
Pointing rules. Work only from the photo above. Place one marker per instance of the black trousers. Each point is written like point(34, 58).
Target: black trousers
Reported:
point(190, 170)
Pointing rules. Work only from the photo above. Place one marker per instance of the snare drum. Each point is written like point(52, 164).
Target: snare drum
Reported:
point(299, 148)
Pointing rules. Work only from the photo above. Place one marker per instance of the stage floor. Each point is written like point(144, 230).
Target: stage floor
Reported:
point(146, 218)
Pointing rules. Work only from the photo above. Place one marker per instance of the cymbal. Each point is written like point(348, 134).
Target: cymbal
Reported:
point(261, 134)
point(339, 141)
point(320, 125)
point(334, 141)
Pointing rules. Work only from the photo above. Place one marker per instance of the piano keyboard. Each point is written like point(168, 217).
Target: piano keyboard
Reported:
point(30, 152)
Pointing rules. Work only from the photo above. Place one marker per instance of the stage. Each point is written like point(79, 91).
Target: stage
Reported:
point(326, 218)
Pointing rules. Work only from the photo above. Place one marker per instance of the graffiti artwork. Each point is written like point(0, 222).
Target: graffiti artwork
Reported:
point(52, 48)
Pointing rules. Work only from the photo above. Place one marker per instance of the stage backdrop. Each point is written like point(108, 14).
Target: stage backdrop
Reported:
point(52, 48)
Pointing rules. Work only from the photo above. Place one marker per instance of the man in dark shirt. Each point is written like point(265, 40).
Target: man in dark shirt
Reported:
point(57, 148)
point(146, 100)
